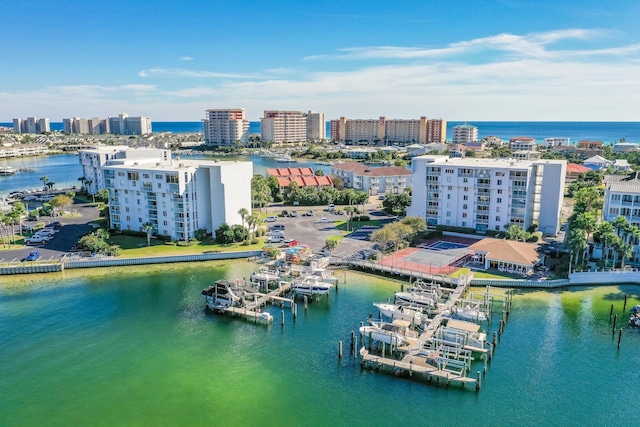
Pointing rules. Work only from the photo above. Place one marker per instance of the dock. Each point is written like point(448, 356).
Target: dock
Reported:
point(274, 295)
point(435, 357)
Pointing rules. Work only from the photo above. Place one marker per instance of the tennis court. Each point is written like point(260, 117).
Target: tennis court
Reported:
point(439, 257)
point(442, 245)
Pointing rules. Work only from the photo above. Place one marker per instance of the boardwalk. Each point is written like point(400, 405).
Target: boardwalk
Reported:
point(274, 295)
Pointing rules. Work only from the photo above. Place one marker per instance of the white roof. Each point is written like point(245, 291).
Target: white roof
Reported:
point(597, 160)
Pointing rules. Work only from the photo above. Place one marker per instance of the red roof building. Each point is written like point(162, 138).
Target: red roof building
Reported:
point(304, 177)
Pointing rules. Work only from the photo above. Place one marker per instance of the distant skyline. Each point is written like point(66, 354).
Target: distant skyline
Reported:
point(470, 61)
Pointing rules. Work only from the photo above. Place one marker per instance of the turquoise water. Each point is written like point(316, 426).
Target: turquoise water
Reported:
point(123, 347)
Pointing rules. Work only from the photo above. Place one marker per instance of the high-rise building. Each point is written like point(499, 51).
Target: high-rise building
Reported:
point(488, 194)
point(383, 131)
point(465, 133)
point(316, 126)
point(224, 126)
point(176, 196)
point(436, 131)
point(280, 126)
point(122, 124)
point(31, 125)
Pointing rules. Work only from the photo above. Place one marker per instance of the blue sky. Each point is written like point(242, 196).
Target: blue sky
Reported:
point(458, 60)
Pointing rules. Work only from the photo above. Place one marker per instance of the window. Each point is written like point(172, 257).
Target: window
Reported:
point(450, 188)
point(173, 178)
point(499, 191)
point(126, 209)
point(499, 182)
point(145, 175)
point(158, 176)
point(497, 218)
point(464, 223)
point(464, 206)
point(165, 223)
point(120, 173)
point(448, 196)
point(140, 220)
point(465, 197)
point(448, 171)
point(499, 173)
point(466, 188)
point(164, 213)
point(498, 209)
point(448, 213)
point(464, 214)
point(133, 176)
point(465, 180)
point(499, 200)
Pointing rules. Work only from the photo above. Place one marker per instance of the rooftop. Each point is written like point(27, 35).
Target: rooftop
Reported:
point(508, 251)
point(365, 170)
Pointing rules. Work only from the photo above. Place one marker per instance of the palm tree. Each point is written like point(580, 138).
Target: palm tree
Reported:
point(148, 228)
point(82, 180)
point(620, 224)
point(89, 182)
point(607, 235)
point(578, 243)
point(44, 180)
point(243, 213)
point(50, 185)
point(253, 221)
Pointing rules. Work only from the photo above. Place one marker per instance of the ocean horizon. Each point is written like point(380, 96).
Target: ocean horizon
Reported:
point(608, 132)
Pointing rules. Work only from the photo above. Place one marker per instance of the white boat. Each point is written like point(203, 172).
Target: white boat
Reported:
point(467, 312)
point(393, 312)
point(634, 320)
point(466, 333)
point(310, 285)
point(7, 170)
point(265, 278)
point(394, 333)
point(635, 309)
point(224, 294)
point(284, 159)
point(426, 301)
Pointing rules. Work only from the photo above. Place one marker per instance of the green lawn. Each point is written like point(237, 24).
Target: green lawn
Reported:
point(484, 275)
point(341, 224)
point(137, 247)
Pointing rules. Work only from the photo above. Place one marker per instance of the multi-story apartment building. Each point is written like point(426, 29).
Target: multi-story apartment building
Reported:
point(622, 198)
point(381, 180)
point(522, 143)
point(556, 142)
point(383, 131)
point(436, 131)
point(31, 125)
point(94, 159)
point(176, 196)
point(224, 126)
point(488, 194)
point(465, 133)
point(122, 124)
point(281, 126)
point(316, 126)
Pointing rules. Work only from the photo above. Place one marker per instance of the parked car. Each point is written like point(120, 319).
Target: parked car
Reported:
point(271, 219)
point(309, 213)
point(285, 213)
point(33, 256)
point(289, 243)
point(275, 239)
point(332, 207)
point(293, 214)
point(277, 227)
point(323, 219)
point(36, 240)
point(55, 224)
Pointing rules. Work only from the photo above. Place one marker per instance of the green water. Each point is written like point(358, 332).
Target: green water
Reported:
point(123, 347)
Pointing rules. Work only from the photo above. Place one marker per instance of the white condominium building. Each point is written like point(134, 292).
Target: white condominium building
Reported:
point(465, 133)
point(316, 126)
point(622, 198)
point(122, 124)
point(284, 126)
point(383, 131)
point(31, 125)
point(488, 194)
point(176, 196)
point(224, 126)
point(373, 180)
point(94, 159)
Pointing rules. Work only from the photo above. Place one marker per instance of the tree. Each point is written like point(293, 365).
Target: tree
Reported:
point(50, 185)
point(515, 232)
point(318, 172)
point(417, 224)
point(291, 193)
point(82, 180)
point(102, 196)
point(61, 202)
point(396, 204)
point(148, 228)
point(607, 236)
point(578, 243)
point(253, 221)
point(19, 211)
point(89, 182)
point(243, 214)
point(224, 234)
point(382, 236)
point(260, 191)
point(401, 233)
point(44, 180)
point(331, 243)
point(350, 210)
point(338, 182)
point(588, 199)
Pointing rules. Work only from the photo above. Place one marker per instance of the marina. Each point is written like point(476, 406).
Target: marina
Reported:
point(140, 340)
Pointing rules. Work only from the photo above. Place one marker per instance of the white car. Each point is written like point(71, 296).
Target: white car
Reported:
point(271, 219)
point(36, 240)
point(325, 220)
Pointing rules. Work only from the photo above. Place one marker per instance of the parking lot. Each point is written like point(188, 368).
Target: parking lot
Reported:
point(72, 228)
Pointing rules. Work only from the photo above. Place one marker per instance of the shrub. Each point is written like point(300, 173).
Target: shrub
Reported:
point(255, 241)
point(245, 243)
point(170, 243)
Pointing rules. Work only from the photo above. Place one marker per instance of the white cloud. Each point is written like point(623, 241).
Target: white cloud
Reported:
point(569, 74)
point(186, 58)
point(179, 72)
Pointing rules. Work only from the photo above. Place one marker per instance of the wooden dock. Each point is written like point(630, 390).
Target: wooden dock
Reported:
point(274, 295)
point(255, 316)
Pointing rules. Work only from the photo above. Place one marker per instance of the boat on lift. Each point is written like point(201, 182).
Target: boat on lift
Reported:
point(410, 314)
point(394, 333)
point(310, 285)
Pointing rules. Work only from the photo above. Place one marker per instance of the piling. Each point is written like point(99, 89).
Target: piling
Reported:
point(306, 302)
point(625, 303)
point(619, 338)
point(353, 341)
point(282, 317)
point(294, 308)
point(339, 349)
point(484, 371)
point(494, 338)
point(478, 380)
point(615, 320)
point(610, 312)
